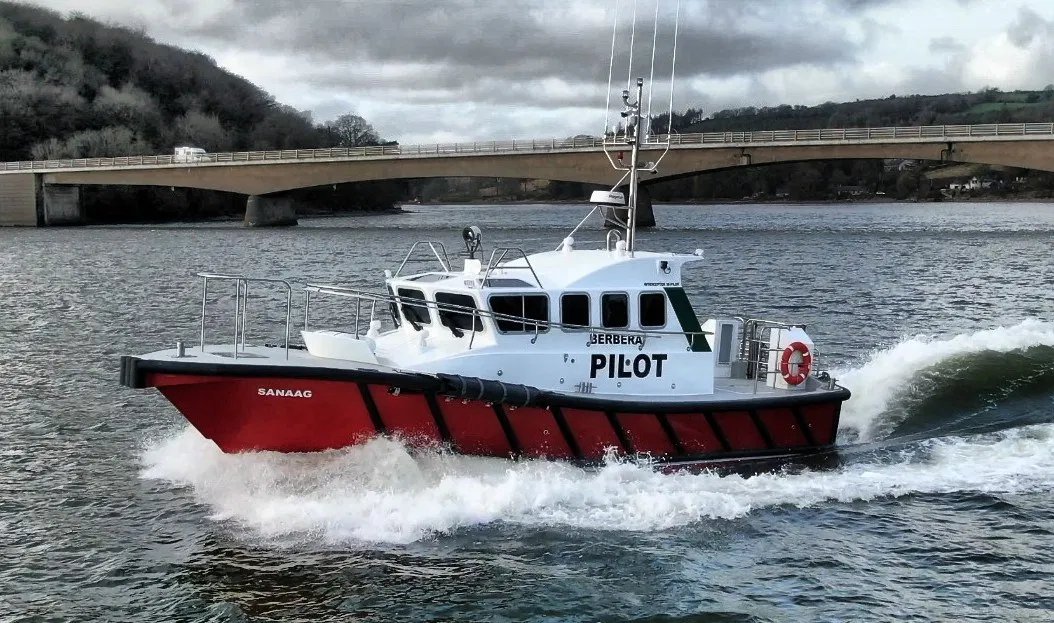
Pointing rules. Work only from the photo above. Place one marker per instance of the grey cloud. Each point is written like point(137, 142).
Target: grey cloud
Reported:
point(489, 35)
point(1025, 27)
point(861, 5)
point(940, 45)
point(488, 52)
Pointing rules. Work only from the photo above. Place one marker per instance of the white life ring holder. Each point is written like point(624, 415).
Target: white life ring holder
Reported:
point(804, 366)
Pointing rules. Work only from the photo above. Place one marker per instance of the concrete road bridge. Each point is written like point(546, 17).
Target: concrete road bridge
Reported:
point(48, 192)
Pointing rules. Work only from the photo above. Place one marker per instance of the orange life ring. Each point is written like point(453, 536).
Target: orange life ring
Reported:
point(804, 366)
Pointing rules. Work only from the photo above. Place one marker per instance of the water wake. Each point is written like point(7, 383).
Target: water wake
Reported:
point(385, 492)
point(892, 385)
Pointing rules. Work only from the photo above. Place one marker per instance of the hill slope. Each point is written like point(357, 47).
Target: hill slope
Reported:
point(74, 87)
point(986, 106)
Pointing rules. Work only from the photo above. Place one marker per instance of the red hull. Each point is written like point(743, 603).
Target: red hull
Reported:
point(246, 413)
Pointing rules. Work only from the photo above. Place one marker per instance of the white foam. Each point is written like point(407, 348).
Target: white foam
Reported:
point(887, 373)
point(382, 492)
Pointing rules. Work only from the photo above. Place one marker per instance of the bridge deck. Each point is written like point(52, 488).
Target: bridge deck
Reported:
point(1002, 132)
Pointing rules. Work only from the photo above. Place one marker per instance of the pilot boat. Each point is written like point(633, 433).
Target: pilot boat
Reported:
point(572, 354)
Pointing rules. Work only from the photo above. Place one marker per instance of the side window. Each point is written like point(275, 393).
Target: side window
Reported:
point(652, 309)
point(459, 320)
point(614, 311)
point(574, 310)
point(529, 307)
point(415, 313)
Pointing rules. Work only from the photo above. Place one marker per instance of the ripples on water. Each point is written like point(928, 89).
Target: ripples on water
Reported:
point(940, 318)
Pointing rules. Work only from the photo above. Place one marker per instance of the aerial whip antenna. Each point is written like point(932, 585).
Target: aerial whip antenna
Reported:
point(651, 77)
point(632, 37)
point(673, 65)
point(611, 69)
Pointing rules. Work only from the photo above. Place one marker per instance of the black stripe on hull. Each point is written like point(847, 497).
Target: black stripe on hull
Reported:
point(762, 430)
point(720, 434)
point(565, 429)
point(437, 415)
point(506, 426)
point(675, 441)
point(371, 408)
point(623, 438)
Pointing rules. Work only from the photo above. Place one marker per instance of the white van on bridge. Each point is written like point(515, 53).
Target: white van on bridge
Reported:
point(190, 154)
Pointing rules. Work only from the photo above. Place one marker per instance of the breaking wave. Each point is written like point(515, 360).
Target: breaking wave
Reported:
point(384, 492)
point(924, 381)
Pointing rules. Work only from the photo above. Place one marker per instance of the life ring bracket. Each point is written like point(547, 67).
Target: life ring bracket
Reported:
point(803, 367)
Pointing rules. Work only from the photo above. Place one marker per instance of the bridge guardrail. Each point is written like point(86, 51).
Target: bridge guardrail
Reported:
point(545, 145)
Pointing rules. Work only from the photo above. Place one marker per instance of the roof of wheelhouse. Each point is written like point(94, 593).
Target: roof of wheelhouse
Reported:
point(586, 269)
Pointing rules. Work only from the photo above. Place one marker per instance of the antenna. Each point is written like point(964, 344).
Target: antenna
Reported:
point(629, 132)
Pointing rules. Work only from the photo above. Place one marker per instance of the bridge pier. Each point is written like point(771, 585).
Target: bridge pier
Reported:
point(18, 200)
point(645, 213)
point(269, 211)
point(62, 205)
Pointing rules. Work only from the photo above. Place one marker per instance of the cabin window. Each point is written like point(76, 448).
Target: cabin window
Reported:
point(393, 309)
point(574, 310)
point(652, 309)
point(458, 320)
point(415, 313)
point(614, 311)
point(534, 307)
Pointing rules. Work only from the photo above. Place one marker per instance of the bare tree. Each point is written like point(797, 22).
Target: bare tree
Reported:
point(351, 131)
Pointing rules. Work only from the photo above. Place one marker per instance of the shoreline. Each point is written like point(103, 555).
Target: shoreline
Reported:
point(886, 199)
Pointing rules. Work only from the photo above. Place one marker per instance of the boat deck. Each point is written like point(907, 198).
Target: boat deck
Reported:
point(253, 358)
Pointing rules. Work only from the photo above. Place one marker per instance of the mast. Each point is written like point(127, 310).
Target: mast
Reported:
point(614, 144)
point(633, 130)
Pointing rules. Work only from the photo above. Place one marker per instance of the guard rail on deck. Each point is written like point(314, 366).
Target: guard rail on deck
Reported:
point(982, 131)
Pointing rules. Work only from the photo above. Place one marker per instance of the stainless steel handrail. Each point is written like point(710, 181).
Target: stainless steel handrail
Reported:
point(444, 260)
point(241, 302)
point(755, 351)
point(495, 264)
point(978, 131)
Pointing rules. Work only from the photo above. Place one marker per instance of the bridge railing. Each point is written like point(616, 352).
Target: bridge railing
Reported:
point(854, 134)
point(548, 145)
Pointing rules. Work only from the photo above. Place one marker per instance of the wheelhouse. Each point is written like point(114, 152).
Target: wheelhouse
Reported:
point(564, 291)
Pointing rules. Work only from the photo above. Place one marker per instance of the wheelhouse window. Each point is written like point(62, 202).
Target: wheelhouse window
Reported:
point(458, 320)
point(614, 310)
point(416, 313)
point(574, 310)
point(652, 309)
point(529, 307)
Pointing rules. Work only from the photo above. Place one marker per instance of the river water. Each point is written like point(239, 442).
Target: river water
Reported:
point(939, 317)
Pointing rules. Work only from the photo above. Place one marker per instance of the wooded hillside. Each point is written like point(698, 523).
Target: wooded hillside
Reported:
point(72, 87)
point(986, 106)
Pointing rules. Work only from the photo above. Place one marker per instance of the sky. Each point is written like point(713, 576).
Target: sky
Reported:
point(426, 71)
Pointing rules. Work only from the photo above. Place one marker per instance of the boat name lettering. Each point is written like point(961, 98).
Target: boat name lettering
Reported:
point(287, 393)
point(662, 284)
point(615, 338)
point(627, 366)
